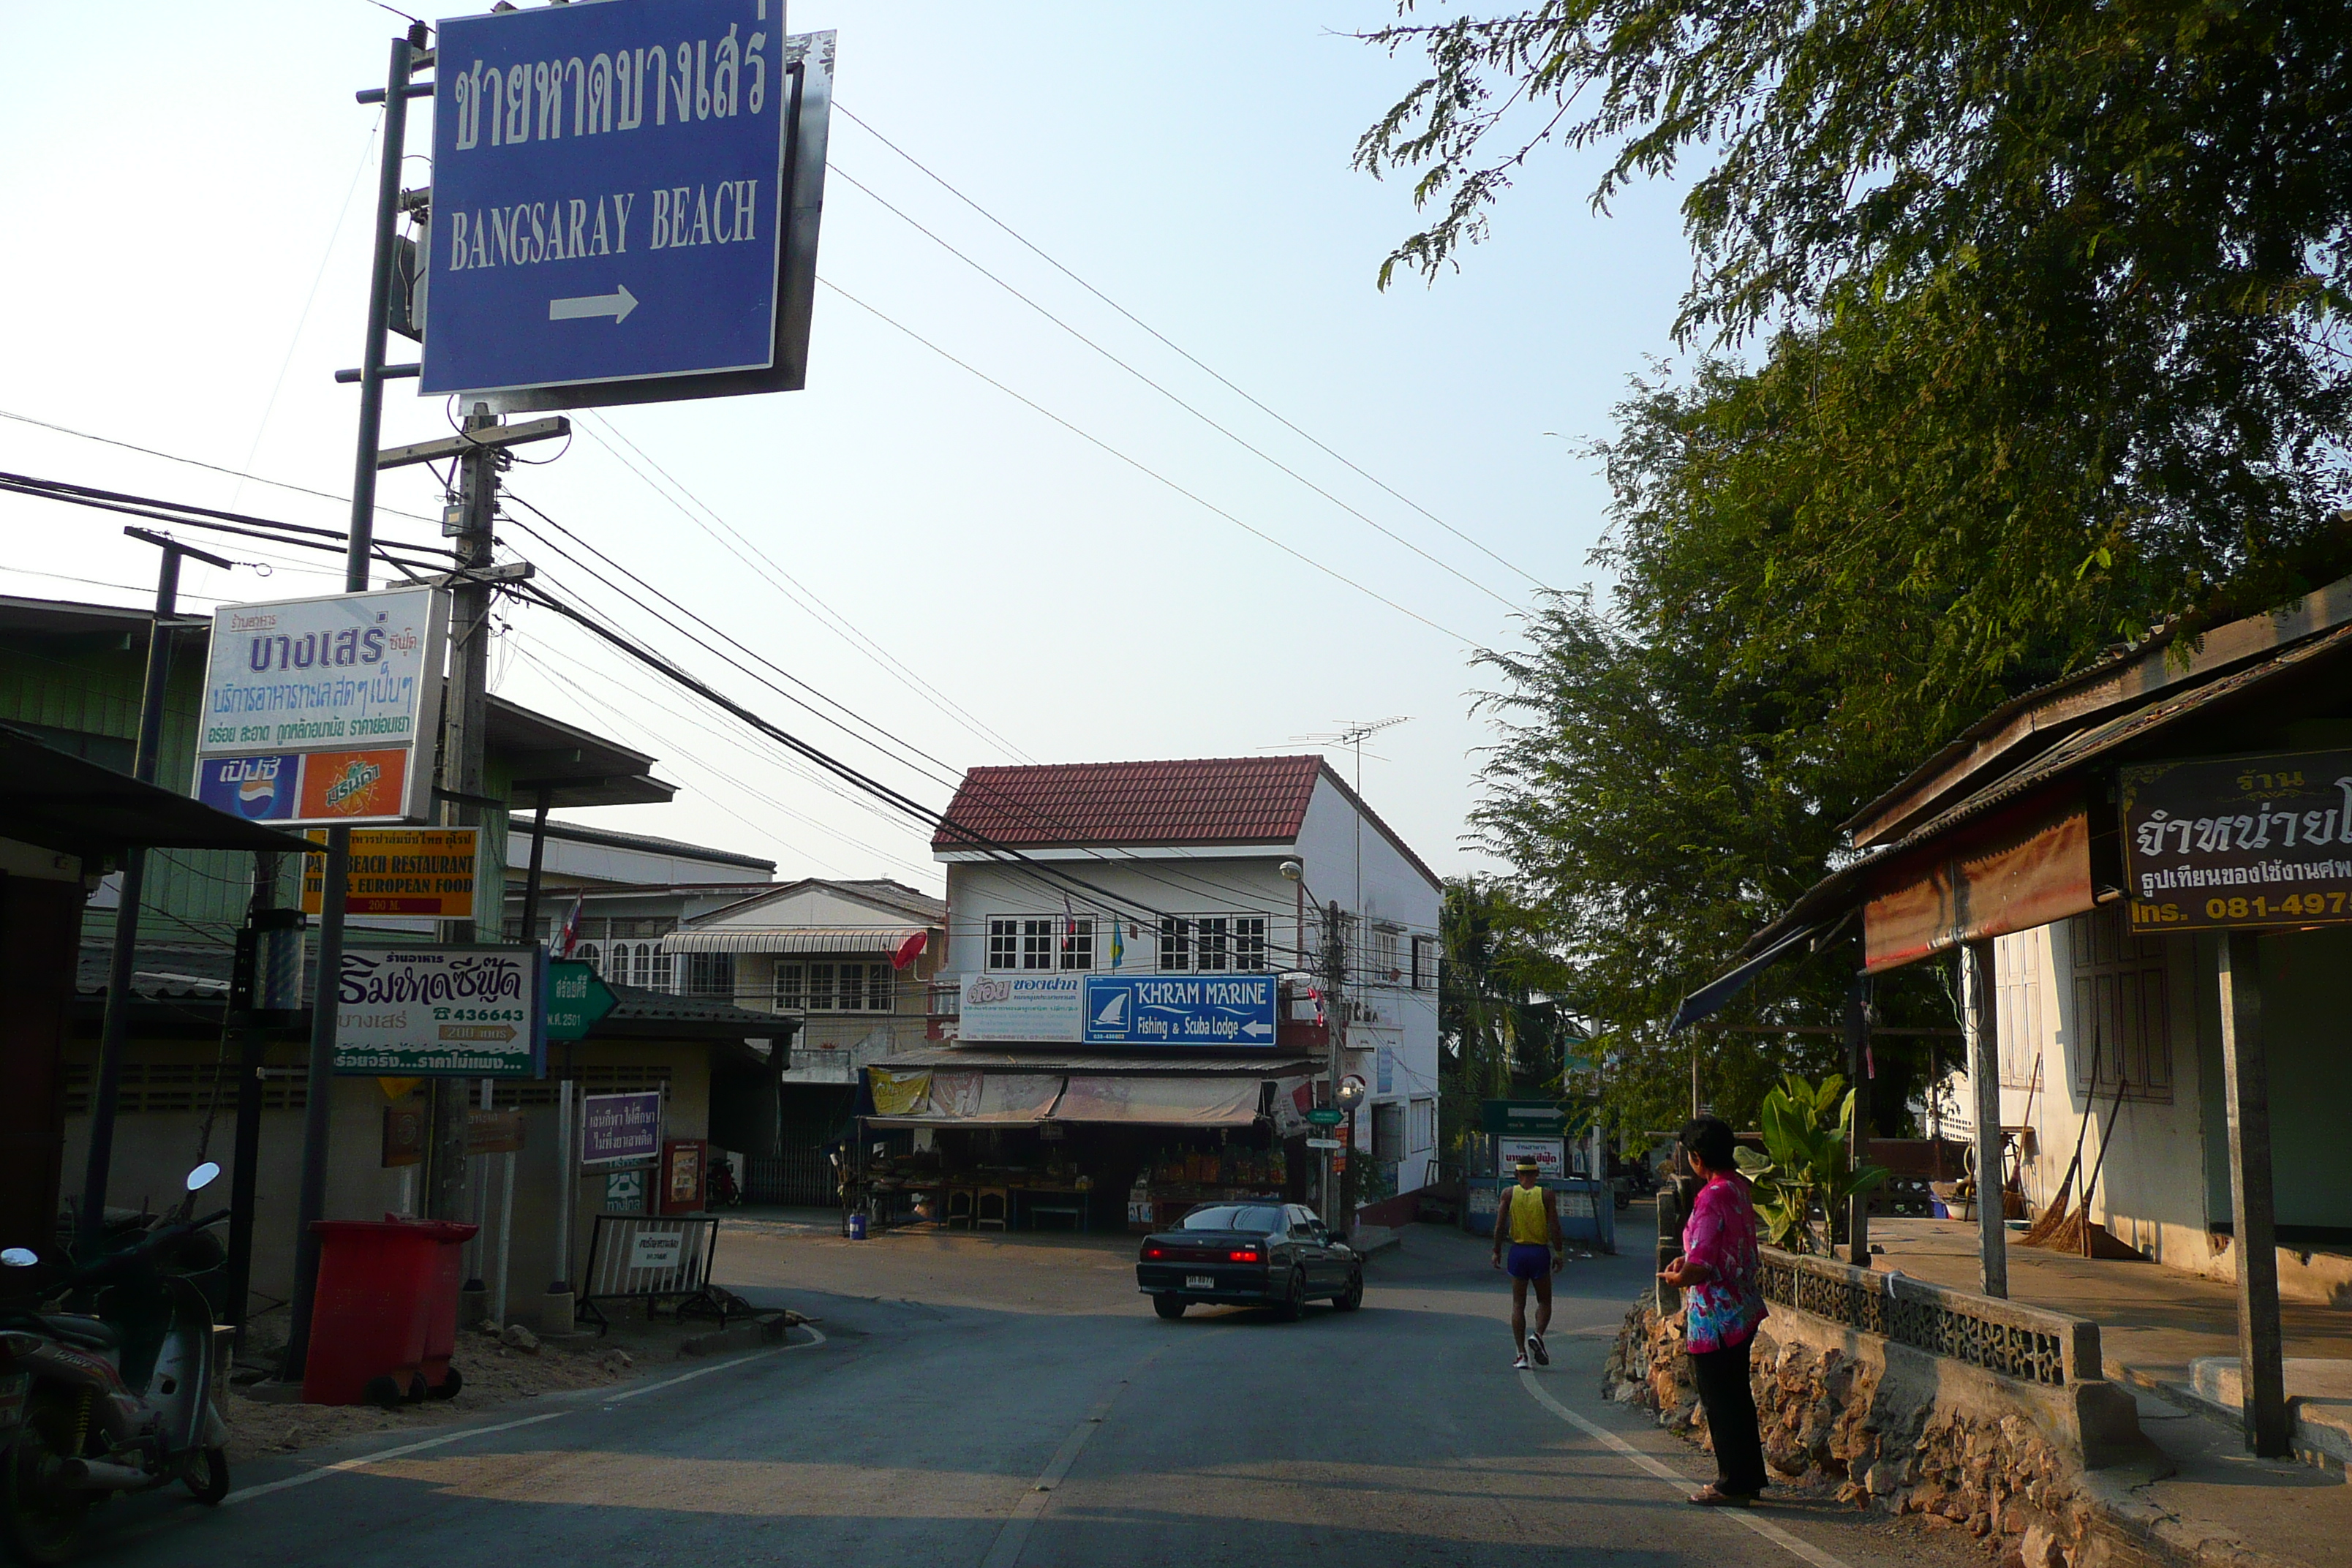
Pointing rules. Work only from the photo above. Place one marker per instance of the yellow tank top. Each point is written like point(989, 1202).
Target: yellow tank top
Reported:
point(1531, 1220)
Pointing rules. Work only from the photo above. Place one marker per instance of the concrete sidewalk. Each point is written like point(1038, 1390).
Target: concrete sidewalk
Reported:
point(2157, 1325)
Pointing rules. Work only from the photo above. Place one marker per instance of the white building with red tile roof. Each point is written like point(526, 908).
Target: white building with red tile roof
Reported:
point(1176, 869)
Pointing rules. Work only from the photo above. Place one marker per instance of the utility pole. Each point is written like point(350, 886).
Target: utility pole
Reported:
point(114, 1031)
point(463, 749)
point(310, 1205)
point(1335, 1013)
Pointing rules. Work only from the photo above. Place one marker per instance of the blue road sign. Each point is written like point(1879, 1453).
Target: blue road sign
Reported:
point(1181, 1010)
point(606, 194)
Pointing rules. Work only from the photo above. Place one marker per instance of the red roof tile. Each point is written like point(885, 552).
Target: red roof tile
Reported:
point(1221, 800)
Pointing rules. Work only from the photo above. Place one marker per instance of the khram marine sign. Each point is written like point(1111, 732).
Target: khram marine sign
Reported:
point(1181, 1010)
point(2235, 842)
point(610, 198)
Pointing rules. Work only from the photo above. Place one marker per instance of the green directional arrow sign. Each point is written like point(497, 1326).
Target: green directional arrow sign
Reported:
point(1325, 1116)
point(576, 1000)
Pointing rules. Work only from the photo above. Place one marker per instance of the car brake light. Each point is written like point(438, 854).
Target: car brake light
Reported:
point(1242, 1257)
point(1155, 1252)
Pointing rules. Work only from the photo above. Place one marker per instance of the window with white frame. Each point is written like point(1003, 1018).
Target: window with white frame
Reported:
point(1425, 1125)
point(1384, 959)
point(1041, 942)
point(833, 985)
point(1424, 964)
point(1213, 944)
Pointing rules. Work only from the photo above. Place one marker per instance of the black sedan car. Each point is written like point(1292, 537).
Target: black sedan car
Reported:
point(1256, 1253)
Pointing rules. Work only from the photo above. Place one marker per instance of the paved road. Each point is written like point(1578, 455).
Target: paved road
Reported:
point(994, 1401)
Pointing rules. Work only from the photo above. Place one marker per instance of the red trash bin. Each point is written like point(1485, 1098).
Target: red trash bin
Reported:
point(384, 1319)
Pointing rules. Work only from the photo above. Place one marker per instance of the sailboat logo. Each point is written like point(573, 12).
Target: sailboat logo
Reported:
point(1113, 1014)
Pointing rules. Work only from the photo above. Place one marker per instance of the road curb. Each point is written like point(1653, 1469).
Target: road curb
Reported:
point(766, 1329)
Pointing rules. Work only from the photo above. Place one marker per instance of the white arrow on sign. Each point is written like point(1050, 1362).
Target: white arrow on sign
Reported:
point(1257, 1028)
point(617, 305)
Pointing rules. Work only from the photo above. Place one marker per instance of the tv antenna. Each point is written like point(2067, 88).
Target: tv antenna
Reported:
point(1353, 735)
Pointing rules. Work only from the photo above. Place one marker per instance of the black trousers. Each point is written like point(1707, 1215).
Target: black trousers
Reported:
point(1730, 1405)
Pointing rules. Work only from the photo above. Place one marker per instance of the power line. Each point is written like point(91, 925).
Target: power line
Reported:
point(806, 598)
point(1026, 244)
point(1230, 435)
point(1176, 879)
point(1095, 441)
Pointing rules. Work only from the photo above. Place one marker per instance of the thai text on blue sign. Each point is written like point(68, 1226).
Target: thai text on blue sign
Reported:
point(1181, 1009)
point(616, 1127)
point(606, 194)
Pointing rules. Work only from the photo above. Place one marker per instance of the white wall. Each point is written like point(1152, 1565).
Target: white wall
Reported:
point(1374, 883)
point(2152, 1187)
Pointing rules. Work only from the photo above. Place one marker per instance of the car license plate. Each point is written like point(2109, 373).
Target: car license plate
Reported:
point(1200, 1282)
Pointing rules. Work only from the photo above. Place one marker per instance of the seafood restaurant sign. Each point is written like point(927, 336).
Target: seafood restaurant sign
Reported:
point(455, 1011)
point(607, 194)
point(314, 710)
point(2239, 842)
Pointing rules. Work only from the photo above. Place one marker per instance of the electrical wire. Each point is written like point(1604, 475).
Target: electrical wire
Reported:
point(1177, 879)
point(835, 171)
point(1180, 351)
point(812, 603)
point(1333, 573)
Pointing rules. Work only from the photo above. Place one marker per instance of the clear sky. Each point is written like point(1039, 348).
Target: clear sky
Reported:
point(188, 193)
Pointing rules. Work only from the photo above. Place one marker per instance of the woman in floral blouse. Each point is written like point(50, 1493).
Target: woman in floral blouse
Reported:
point(1721, 1307)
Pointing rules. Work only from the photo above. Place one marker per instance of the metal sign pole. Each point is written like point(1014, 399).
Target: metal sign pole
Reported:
point(311, 1205)
point(114, 1030)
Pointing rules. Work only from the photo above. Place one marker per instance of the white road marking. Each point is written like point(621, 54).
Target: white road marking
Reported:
point(1013, 1537)
point(247, 1494)
point(1763, 1527)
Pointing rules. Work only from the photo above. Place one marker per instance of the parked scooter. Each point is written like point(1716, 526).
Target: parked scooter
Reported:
point(114, 1400)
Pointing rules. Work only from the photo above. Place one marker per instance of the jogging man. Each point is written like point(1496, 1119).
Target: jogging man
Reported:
point(1527, 1221)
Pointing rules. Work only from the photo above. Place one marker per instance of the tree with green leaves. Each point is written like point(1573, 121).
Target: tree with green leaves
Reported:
point(1498, 1037)
point(2038, 313)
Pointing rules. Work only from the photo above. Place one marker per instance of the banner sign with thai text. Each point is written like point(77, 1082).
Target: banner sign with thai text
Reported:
point(411, 872)
point(323, 711)
point(2238, 842)
point(449, 1011)
point(1048, 1008)
point(615, 1127)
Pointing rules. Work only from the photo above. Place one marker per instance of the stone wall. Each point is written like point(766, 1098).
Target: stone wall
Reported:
point(1897, 1430)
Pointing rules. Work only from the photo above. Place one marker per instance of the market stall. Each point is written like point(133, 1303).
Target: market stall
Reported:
point(1021, 1141)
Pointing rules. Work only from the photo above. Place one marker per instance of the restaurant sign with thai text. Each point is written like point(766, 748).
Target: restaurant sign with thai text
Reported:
point(2213, 843)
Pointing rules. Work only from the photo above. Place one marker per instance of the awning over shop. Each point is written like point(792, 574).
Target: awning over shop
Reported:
point(793, 939)
point(1162, 1102)
point(931, 1097)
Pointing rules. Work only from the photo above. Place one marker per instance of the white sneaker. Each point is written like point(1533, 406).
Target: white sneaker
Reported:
point(1520, 1364)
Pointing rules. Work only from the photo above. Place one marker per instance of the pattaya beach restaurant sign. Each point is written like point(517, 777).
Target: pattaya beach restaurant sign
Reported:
point(323, 710)
point(2223, 842)
point(450, 1011)
point(1049, 1007)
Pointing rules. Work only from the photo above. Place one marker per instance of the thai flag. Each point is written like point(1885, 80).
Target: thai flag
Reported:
point(570, 934)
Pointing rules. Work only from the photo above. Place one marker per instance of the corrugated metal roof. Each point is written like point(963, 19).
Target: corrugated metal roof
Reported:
point(792, 939)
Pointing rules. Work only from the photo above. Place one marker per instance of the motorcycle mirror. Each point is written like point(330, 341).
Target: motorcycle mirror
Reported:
point(18, 1257)
point(203, 1176)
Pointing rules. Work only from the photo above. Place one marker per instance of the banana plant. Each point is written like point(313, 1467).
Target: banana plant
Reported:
point(1806, 1166)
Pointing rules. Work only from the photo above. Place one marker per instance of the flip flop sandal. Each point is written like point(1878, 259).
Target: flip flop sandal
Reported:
point(1709, 1497)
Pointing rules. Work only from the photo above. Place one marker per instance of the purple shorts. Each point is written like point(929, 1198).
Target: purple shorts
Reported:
point(1527, 1260)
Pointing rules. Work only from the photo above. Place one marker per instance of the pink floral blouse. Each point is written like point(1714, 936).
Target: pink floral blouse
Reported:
point(1721, 1309)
